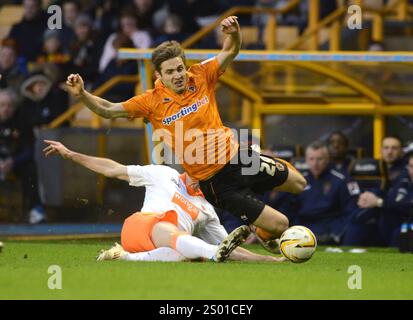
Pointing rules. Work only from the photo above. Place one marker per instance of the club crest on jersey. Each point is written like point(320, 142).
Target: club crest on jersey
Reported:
point(185, 111)
point(166, 100)
point(191, 89)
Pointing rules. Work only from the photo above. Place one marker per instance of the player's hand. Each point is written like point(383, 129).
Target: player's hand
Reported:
point(75, 84)
point(55, 147)
point(276, 259)
point(367, 200)
point(230, 25)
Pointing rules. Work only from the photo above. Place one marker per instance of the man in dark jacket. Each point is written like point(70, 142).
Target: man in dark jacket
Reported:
point(16, 154)
point(394, 206)
point(43, 101)
point(28, 33)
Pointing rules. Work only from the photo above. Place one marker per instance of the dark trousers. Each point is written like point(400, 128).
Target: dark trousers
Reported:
point(27, 174)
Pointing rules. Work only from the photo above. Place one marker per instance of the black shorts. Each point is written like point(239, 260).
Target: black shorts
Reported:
point(233, 191)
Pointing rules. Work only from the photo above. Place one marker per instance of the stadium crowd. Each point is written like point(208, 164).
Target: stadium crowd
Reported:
point(34, 60)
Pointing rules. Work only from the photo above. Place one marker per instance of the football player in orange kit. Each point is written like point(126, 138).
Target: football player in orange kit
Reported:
point(183, 101)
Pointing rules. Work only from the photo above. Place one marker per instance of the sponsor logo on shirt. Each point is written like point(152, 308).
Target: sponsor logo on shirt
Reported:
point(185, 205)
point(185, 111)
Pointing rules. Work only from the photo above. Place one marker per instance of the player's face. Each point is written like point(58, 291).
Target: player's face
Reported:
point(128, 25)
point(6, 107)
point(30, 9)
point(39, 89)
point(82, 31)
point(317, 160)
point(391, 150)
point(70, 13)
point(337, 146)
point(173, 74)
point(7, 58)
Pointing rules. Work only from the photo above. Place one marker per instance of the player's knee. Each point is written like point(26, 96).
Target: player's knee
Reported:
point(283, 223)
point(279, 225)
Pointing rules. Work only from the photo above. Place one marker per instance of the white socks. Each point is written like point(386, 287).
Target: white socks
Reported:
point(160, 254)
point(193, 248)
point(187, 247)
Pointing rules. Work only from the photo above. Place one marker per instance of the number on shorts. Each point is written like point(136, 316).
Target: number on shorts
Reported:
point(268, 165)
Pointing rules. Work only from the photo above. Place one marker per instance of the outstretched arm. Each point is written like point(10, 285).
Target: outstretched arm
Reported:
point(232, 42)
point(107, 167)
point(102, 107)
point(242, 254)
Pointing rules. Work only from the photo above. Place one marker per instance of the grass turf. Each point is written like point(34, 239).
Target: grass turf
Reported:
point(386, 274)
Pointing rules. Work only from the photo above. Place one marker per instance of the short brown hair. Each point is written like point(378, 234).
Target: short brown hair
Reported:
point(165, 51)
point(316, 145)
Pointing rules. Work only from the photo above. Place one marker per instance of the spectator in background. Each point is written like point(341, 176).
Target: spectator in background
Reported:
point(393, 207)
point(129, 29)
point(260, 20)
point(12, 73)
point(106, 15)
point(172, 29)
point(371, 201)
point(118, 67)
point(52, 53)
point(184, 9)
point(392, 155)
point(327, 204)
point(17, 156)
point(85, 50)
point(43, 101)
point(338, 144)
point(243, 19)
point(145, 10)
point(71, 10)
point(28, 33)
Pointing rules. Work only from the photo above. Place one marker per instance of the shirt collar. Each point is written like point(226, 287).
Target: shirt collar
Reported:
point(191, 191)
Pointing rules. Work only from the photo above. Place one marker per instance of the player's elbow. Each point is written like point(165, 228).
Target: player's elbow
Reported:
point(107, 114)
point(300, 184)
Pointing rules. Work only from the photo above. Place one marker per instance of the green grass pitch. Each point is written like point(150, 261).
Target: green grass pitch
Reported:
point(386, 274)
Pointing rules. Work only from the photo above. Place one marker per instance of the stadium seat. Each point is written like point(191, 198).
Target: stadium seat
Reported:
point(357, 153)
point(288, 152)
point(285, 35)
point(300, 164)
point(249, 35)
point(369, 173)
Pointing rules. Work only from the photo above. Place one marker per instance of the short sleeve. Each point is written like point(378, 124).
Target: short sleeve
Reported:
point(138, 106)
point(139, 176)
point(210, 68)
